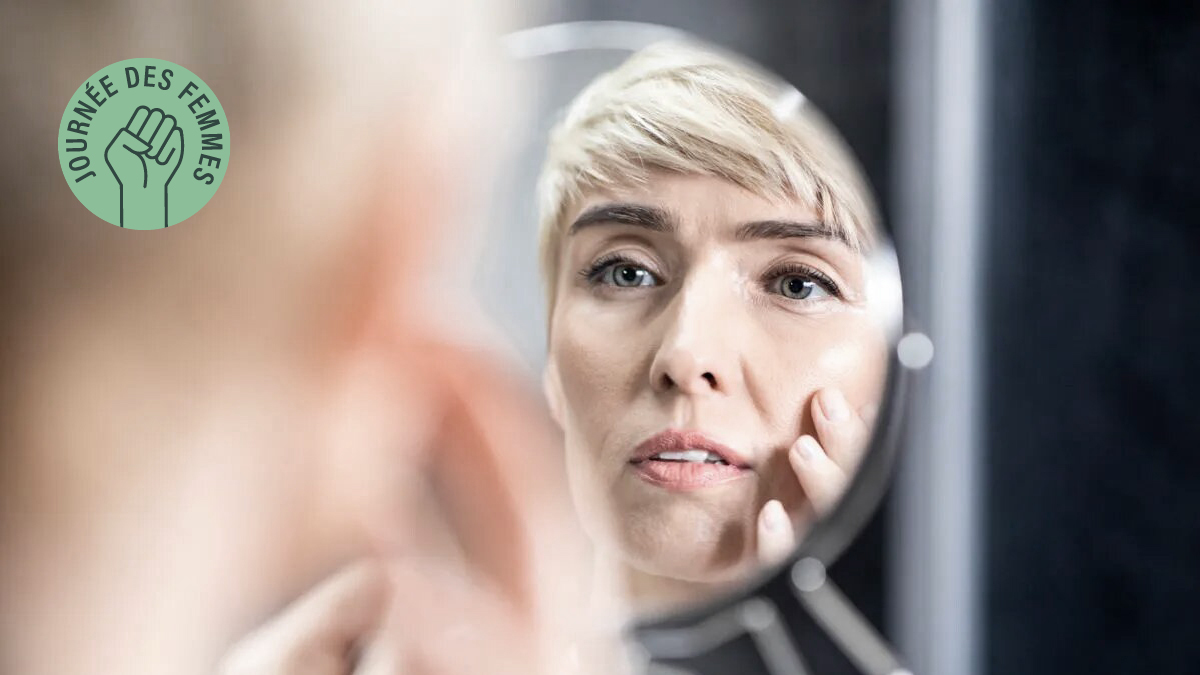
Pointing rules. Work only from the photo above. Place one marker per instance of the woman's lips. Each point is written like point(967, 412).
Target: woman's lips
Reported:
point(670, 472)
point(686, 475)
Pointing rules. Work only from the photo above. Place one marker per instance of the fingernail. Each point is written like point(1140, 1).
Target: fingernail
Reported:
point(774, 517)
point(807, 448)
point(835, 406)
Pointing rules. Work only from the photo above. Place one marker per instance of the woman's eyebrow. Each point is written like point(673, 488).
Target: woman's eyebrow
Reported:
point(788, 229)
point(638, 215)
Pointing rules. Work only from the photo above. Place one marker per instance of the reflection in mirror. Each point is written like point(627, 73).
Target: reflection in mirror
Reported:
point(720, 302)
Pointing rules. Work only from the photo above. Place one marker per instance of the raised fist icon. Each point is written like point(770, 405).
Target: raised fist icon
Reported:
point(144, 156)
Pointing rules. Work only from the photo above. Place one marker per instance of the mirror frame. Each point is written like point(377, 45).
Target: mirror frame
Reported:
point(680, 634)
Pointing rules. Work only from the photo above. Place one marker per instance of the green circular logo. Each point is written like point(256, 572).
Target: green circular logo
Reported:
point(144, 144)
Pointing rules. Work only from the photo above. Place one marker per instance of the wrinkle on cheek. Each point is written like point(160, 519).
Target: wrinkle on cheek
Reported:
point(597, 364)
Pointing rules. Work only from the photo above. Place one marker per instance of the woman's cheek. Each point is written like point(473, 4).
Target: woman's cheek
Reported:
point(592, 361)
point(853, 359)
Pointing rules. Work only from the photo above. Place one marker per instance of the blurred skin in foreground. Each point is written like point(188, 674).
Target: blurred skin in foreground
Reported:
point(202, 422)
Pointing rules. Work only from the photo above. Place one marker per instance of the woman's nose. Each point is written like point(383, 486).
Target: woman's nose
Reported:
point(680, 369)
point(697, 354)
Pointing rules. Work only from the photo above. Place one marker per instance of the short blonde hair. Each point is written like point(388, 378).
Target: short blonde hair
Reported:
point(687, 109)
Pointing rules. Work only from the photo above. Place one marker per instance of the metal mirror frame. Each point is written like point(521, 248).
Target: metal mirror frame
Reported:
point(753, 610)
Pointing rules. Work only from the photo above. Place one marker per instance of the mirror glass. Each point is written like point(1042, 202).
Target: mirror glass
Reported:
point(690, 261)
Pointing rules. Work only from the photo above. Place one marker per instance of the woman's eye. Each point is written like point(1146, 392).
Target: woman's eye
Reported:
point(800, 288)
point(627, 275)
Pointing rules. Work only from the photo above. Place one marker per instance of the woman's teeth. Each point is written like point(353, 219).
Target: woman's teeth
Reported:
point(690, 456)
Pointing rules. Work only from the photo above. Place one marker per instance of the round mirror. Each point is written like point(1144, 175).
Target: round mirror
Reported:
point(690, 261)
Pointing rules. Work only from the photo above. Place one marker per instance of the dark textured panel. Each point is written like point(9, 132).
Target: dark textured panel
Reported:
point(1093, 547)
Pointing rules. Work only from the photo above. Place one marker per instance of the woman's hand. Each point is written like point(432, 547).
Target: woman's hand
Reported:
point(823, 465)
point(320, 633)
point(485, 577)
point(402, 618)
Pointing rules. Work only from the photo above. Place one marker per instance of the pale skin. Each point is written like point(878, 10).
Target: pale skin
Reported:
point(691, 304)
point(805, 416)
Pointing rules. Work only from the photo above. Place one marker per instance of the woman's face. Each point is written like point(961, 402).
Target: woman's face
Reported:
point(694, 323)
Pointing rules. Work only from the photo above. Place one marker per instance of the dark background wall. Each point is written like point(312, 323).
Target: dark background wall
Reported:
point(1092, 549)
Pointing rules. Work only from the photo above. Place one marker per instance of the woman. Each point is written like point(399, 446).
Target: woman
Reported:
point(713, 358)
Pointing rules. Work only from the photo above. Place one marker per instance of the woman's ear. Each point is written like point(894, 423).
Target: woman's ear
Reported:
point(552, 388)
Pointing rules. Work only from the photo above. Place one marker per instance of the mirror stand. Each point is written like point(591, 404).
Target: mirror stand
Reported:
point(672, 651)
point(842, 622)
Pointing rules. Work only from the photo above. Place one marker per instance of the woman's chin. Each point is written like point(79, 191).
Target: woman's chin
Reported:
point(689, 541)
